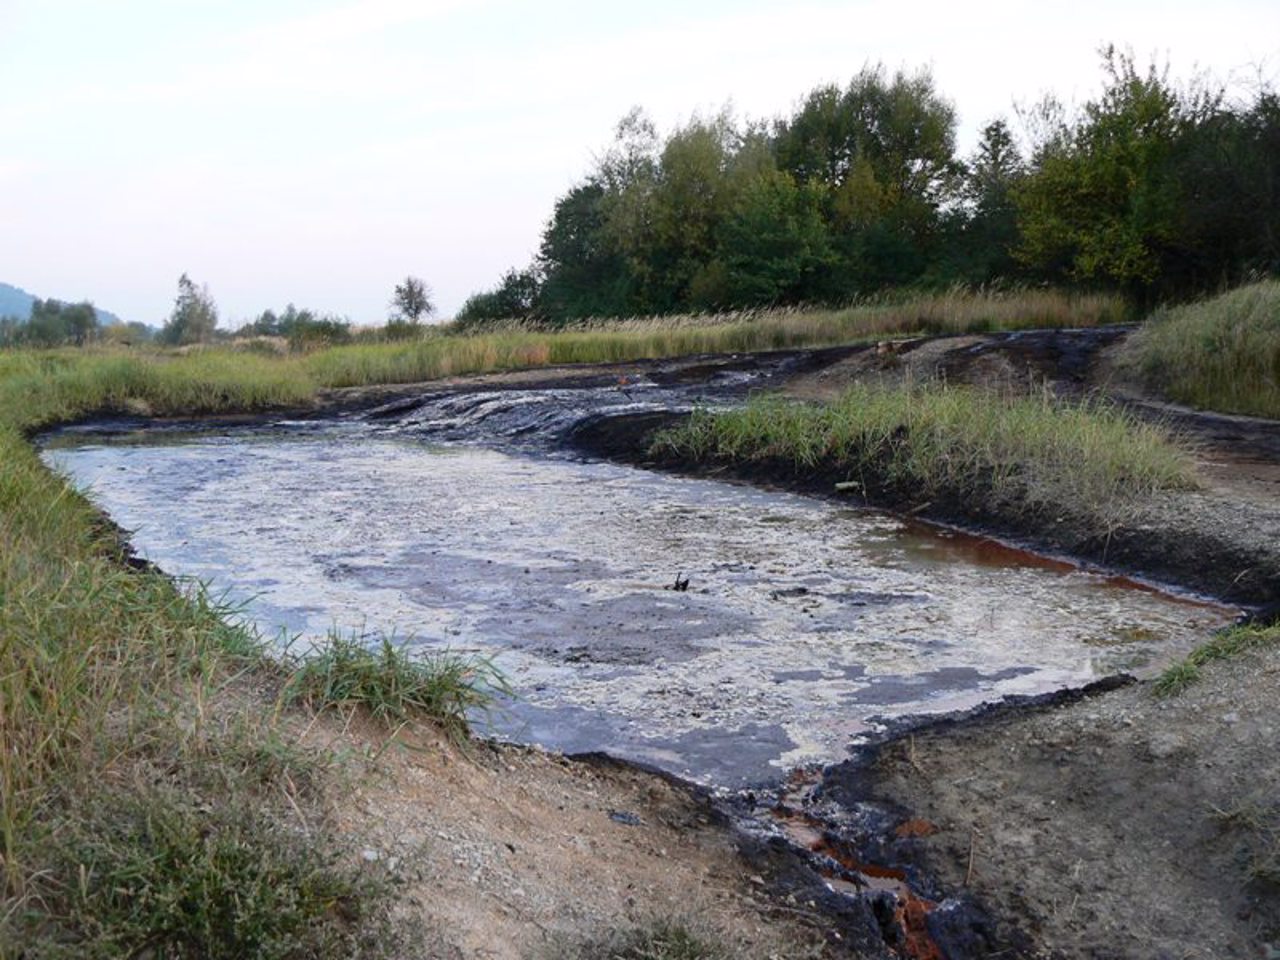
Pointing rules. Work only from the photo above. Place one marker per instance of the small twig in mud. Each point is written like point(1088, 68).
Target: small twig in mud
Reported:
point(973, 846)
point(911, 754)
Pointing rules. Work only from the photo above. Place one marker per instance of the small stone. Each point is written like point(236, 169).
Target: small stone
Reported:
point(370, 856)
point(1164, 745)
point(1231, 717)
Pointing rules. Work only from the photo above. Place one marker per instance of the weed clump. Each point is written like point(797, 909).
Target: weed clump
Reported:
point(394, 685)
point(154, 871)
point(1229, 643)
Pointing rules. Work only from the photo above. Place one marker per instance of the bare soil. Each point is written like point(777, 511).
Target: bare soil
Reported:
point(507, 852)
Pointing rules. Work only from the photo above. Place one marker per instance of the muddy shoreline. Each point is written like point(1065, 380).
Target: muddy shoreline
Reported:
point(970, 858)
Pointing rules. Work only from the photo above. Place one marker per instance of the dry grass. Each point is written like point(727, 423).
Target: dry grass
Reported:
point(1219, 354)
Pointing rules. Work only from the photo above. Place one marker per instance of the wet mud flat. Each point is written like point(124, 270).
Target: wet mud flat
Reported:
point(888, 815)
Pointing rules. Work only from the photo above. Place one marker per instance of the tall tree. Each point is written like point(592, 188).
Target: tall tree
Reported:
point(1104, 202)
point(194, 317)
point(884, 148)
point(412, 300)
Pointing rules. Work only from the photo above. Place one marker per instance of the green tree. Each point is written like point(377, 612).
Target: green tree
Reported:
point(1103, 202)
point(982, 247)
point(53, 322)
point(514, 298)
point(884, 147)
point(773, 244)
point(194, 317)
point(412, 301)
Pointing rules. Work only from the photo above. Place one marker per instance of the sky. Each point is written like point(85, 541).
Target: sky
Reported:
point(318, 152)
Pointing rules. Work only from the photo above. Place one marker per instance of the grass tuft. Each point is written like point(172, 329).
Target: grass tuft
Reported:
point(655, 940)
point(1225, 645)
point(160, 874)
point(393, 684)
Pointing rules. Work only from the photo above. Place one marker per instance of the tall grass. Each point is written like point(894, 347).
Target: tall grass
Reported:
point(1219, 354)
point(1012, 455)
point(42, 388)
point(511, 345)
point(150, 800)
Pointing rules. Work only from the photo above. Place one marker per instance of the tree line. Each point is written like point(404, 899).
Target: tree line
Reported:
point(1154, 188)
point(194, 320)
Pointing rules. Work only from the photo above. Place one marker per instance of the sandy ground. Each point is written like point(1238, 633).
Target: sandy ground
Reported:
point(508, 852)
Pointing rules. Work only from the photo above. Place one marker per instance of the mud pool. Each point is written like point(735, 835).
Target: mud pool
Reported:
point(805, 623)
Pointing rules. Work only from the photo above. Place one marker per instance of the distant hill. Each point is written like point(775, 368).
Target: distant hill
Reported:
point(16, 302)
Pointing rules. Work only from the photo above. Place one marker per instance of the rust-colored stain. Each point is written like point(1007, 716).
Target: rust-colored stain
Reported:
point(915, 827)
point(851, 875)
point(912, 914)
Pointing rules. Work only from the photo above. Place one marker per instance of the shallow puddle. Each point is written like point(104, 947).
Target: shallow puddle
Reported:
point(802, 624)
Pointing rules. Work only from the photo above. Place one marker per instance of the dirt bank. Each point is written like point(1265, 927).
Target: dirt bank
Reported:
point(1120, 825)
point(505, 852)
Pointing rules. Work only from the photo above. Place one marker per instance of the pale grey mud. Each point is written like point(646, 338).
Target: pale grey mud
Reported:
point(805, 624)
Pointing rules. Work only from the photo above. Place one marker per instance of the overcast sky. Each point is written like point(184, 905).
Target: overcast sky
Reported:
point(318, 152)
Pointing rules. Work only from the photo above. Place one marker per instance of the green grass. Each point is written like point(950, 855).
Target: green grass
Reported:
point(1219, 354)
point(1225, 645)
point(1011, 455)
point(151, 801)
point(393, 684)
point(655, 940)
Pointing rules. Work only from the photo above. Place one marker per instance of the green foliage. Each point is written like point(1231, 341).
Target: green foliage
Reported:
point(51, 323)
point(773, 245)
point(1225, 645)
point(168, 875)
point(515, 298)
point(393, 684)
point(1220, 354)
point(194, 317)
point(1152, 190)
point(304, 329)
point(411, 301)
point(1003, 454)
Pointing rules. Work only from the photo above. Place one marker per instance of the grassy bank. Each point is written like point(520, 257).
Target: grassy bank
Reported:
point(1225, 645)
point(1008, 456)
point(1219, 354)
point(153, 799)
point(38, 389)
